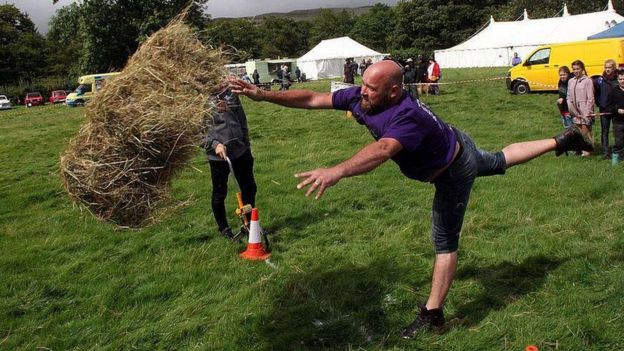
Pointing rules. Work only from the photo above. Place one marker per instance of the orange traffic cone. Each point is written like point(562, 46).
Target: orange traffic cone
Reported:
point(255, 250)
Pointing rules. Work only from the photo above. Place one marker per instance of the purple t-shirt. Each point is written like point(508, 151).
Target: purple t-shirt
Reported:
point(428, 143)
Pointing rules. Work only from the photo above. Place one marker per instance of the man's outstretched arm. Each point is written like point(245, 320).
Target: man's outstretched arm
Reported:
point(363, 161)
point(290, 98)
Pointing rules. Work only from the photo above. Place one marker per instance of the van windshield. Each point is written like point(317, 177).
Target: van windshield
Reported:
point(82, 88)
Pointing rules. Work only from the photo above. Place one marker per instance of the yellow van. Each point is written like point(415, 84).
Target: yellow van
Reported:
point(540, 70)
point(89, 85)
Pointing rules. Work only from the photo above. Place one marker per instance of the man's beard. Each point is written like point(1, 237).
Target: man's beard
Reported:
point(370, 109)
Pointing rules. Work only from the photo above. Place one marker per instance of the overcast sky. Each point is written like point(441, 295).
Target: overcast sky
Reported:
point(40, 11)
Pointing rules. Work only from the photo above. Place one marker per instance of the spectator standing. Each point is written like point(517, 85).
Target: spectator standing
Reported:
point(421, 75)
point(433, 76)
point(409, 78)
point(228, 136)
point(348, 72)
point(285, 81)
point(363, 67)
point(581, 100)
point(562, 103)
point(604, 85)
point(279, 72)
point(515, 60)
point(246, 77)
point(256, 77)
point(298, 74)
point(617, 96)
point(354, 67)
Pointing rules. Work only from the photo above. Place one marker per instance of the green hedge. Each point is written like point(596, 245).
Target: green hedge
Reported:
point(43, 85)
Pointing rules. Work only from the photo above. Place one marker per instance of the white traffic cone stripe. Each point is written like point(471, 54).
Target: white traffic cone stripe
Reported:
point(254, 232)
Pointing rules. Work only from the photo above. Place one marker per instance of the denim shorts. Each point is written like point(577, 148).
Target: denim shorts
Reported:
point(453, 190)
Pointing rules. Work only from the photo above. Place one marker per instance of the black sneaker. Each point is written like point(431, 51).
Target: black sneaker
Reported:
point(227, 233)
point(572, 139)
point(427, 319)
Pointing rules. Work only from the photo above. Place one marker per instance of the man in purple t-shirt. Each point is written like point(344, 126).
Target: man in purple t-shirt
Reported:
point(425, 148)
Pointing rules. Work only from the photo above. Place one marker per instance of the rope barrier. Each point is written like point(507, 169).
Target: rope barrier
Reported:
point(29, 110)
point(458, 81)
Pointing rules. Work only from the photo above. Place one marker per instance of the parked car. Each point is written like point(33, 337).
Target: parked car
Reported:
point(33, 99)
point(57, 96)
point(5, 104)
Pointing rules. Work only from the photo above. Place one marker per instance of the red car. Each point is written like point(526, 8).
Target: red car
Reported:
point(58, 96)
point(33, 99)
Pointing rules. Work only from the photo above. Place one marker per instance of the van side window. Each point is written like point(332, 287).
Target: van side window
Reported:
point(540, 57)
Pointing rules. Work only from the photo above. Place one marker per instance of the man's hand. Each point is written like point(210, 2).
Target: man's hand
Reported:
point(560, 101)
point(240, 87)
point(321, 179)
point(221, 151)
point(621, 111)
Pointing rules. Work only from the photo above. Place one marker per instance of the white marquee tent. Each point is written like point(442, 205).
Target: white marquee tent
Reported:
point(495, 44)
point(326, 59)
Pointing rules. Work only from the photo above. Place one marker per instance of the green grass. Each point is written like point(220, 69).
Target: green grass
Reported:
point(541, 258)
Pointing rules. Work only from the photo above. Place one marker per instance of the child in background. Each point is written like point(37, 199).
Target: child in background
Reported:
point(617, 95)
point(562, 103)
point(581, 100)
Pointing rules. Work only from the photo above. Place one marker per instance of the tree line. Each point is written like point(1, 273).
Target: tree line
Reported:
point(99, 35)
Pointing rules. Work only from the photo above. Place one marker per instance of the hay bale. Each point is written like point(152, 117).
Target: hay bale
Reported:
point(143, 127)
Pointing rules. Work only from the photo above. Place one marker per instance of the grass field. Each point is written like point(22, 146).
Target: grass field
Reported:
point(541, 257)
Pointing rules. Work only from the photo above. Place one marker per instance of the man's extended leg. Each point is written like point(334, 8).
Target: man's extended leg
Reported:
point(522, 152)
point(572, 139)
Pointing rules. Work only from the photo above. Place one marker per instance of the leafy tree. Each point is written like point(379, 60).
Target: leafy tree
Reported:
point(283, 37)
point(433, 24)
point(64, 43)
point(369, 27)
point(21, 47)
point(240, 36)
point(330, 24)
point(109, 31)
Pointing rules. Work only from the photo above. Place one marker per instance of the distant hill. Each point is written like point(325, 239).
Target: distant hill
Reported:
point(305, 15)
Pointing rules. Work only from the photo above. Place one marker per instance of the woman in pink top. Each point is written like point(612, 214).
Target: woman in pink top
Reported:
point(581, 99)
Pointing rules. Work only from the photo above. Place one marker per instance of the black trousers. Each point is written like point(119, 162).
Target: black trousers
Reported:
point(605, 124)
point(618, 133)
point(243, 171)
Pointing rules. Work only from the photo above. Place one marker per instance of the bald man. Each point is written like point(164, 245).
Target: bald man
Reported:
point(425, 149)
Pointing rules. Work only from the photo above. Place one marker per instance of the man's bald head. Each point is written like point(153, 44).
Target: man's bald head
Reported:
point(386, 72)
